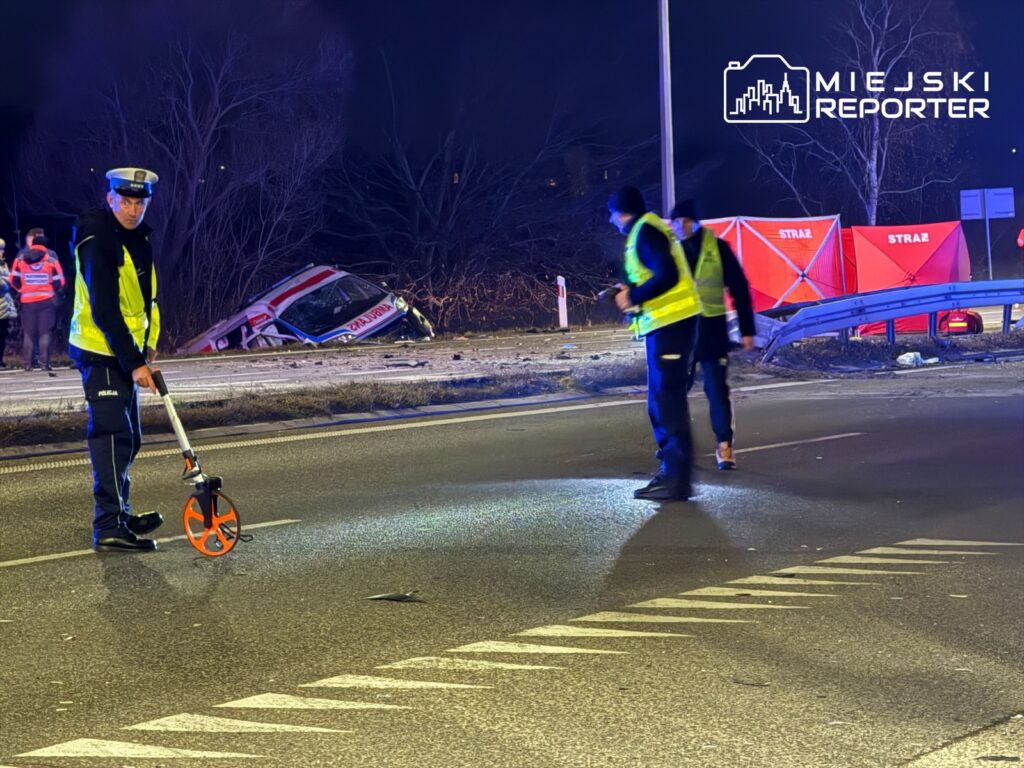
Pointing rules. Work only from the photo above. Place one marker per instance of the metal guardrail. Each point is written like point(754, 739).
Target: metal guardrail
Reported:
point(844, 313)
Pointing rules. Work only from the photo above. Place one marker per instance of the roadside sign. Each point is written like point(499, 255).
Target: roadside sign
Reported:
point(999, 203)
point(970, 205)
point(994, 203)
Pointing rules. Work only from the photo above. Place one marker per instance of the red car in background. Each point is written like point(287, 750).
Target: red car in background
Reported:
point(959, 321)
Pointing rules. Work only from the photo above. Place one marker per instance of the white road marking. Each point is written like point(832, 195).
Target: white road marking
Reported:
point(777, 581)
point(494, 646)
point(188, 723)
point(80, 552)
point(330, 434)
point(855, 559)
point(369, 681)
point(559, 630)
point(787, 444)
point(101, 748)
point(672, 602)
point(857, 571)
point(956, 543)
point(739, 592)
point(284, 701)
point(459, 665)
point(905, 551)
point(784, 384)
point(656, 618)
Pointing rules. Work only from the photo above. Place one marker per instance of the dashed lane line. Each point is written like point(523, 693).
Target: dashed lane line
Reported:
point(101, 748)
point(461, 665)
point(957, 543)
point(789, 443)
point(189, 723)
point(652, 618)
point(850, 571)
point(739, 592)
point(857, 559)
point(494, 646)
point(285, 701)
point(780, 580)
point(909, 551)
point(673, 602)
point(561, 630)
point(81, 552)
point(389, 683)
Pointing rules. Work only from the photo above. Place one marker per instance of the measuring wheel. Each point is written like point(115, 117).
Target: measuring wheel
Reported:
point(219, 536)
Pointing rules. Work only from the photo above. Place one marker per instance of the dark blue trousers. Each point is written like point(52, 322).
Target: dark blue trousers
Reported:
point(114, 437)
point(669, 354)
point(715, 372)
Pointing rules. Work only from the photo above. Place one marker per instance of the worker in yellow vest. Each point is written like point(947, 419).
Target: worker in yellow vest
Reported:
point(114, 331)
point(716, 269)
point(661, 295)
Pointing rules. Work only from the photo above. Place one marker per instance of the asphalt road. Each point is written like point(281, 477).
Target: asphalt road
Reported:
point(517, 527)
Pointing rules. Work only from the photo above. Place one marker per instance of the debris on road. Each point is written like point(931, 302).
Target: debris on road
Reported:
point(407, 364)
point(399, 597)
point(751, 683)
point(915, 360)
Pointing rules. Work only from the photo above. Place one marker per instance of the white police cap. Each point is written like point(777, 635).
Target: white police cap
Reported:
point(132, 182)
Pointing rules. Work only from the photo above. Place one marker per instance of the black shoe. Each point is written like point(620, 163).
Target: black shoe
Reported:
point(127, 541)
point(145, 523)
point(664, 489)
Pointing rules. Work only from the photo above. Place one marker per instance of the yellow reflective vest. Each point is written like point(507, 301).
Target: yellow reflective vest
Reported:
point(679, 302)
point(84, 332)
point(710, 280)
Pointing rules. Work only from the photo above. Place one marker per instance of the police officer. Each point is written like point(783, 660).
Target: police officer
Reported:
point(662, 296)
point(715, 269)
point(114, 331)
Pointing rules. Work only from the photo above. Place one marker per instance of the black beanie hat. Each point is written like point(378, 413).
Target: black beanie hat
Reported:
point(628, 200)
point(685, 209)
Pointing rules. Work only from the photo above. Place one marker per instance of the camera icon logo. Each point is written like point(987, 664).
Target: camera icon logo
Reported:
point(766, 89)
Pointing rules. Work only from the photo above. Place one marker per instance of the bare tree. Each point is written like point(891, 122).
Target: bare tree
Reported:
point(240, 146)
point(872, 164)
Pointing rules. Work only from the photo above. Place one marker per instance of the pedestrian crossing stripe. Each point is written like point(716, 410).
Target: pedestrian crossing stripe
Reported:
point(906, 551)
point(858, 571)
point(189, 723)
point(740, 592)
point(101, 748)
point(857, 559)
point(779, 581)
point(284, 701)
point(460, 665)
point(656, 618)
point(957, 543)
point(559, 630)
point(491, 646)
point(369, 681)
point(672, 602)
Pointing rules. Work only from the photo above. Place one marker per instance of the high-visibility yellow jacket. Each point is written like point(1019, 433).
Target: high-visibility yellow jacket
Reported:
point(709, 276)
point(679, 302)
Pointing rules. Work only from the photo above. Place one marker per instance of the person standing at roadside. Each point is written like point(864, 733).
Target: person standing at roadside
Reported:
point(662, 297)
point(8, 308)
point(37, 277)
point(716, 269)
point(114, 331)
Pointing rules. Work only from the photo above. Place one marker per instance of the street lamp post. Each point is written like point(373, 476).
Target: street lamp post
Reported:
point(668, 176)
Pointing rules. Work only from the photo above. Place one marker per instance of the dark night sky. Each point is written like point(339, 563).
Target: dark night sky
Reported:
point(508, 67)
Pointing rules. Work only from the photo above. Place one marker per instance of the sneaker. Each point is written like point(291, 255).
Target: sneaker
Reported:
point(725, 456)
point(662, 488)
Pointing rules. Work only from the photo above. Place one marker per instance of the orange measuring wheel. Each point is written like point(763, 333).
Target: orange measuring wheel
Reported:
point(219, 536)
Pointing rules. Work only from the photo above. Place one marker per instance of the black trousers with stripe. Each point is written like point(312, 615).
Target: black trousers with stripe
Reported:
point(114, 436)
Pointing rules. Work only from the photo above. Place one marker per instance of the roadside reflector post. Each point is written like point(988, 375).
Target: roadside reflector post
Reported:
point(563, 308)
point(890, 332)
